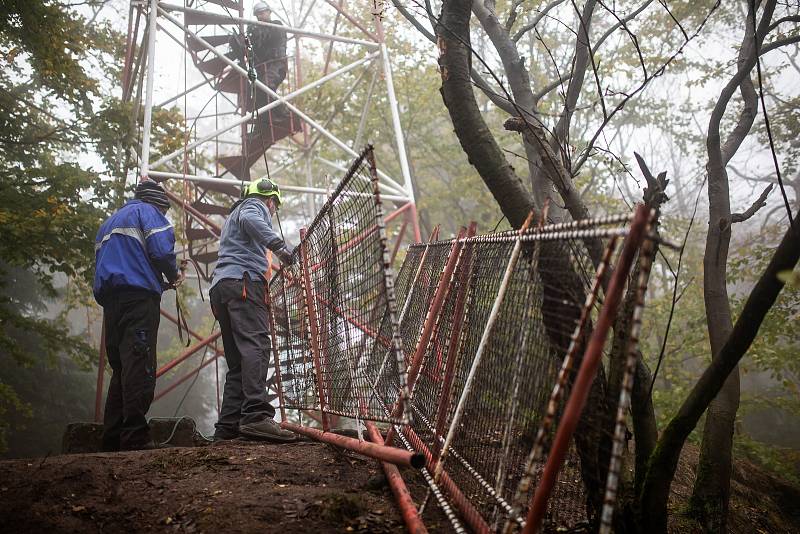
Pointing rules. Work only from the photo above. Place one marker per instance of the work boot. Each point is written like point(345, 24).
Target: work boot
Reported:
point(267, 430)
point(148, 446)
point(222, 434)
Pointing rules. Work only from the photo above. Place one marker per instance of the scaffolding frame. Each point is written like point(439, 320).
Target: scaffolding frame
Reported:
point(151, 24)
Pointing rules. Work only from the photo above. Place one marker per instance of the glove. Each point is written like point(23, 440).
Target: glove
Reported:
point(286, 255)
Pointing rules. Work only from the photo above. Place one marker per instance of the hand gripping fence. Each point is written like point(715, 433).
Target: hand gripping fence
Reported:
point(491, 367)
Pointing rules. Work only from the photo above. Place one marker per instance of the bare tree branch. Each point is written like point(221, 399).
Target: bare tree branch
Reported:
point(512, 15)
point(759, 203)
point(791, 18)
point(769, 47)
point(582, 53)
point(536, 20)
point(658, 72)
point(608, 33)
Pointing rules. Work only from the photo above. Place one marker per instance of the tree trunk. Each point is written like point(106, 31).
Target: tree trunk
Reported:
point(664, 461)
point(482, 150)
point(711, 492)
point(562, 286)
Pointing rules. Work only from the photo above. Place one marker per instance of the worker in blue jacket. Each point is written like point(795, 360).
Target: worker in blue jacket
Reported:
point(238, 302)
point(134, 253)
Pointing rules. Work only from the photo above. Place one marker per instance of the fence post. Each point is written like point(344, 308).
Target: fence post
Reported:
point(273, 341)
point(453, 349)
point(313, 327)
point(435, 307)
point(586, 372)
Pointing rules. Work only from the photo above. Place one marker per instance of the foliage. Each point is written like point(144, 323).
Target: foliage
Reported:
point(57, 118)
point(51, 205)
point(770, 372)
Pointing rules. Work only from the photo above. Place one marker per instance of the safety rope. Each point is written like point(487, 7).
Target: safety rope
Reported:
point(252, 76)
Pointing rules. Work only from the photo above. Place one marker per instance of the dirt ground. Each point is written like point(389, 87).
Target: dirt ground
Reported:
point(229, 487)
point(760, 502)
point(300, 487)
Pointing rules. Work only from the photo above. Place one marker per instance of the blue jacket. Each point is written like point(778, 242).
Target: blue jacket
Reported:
point(244, 241)
point(133, 248)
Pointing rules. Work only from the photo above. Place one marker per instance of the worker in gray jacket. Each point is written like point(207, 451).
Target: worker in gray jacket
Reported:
point(238, 302)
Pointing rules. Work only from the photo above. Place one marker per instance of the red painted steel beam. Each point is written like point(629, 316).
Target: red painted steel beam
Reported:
point(454, 345)
point(399, 211)
point(588, 370)
point(398, 240)
point(373, 450)
point(174, 319)
point(312, 314)
point(408, 510)
point(471, 516)
point(353, 21)
point(435, 308)
point(185, 377)
point(415, 222)
point(185, 355)
point(196, 214)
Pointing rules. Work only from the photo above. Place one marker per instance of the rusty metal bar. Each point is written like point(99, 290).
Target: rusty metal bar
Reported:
point(415, 222)
point(312, 321)
point(402, 496)
point(399, 240)
point(437, 302)
point(391, 302)
point(373, 450)
point(276, 357)
point(468, 512)
point(453, 348)
point(586, 372)
point(186, 377)
point(211, 225)
point(185, 355)
point(646, 257)
point(174, 319)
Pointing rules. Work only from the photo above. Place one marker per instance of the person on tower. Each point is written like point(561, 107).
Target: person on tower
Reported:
point(238, 301)
point(134, 251)
point(268, 57)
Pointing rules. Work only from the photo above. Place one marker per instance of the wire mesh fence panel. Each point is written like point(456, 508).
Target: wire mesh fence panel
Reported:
point(342, 294)
point(489, 332)
point(292, 340)
point(544, 299)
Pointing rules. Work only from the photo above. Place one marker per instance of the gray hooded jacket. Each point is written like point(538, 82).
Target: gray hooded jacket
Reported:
point(245, 238)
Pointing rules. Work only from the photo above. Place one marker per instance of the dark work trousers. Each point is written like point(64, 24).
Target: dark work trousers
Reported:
point(271, 75)
point(241, 310)
point(131, 322)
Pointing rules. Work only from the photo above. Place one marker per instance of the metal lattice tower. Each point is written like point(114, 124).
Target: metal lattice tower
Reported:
point(218, 154)
point(179, 55)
